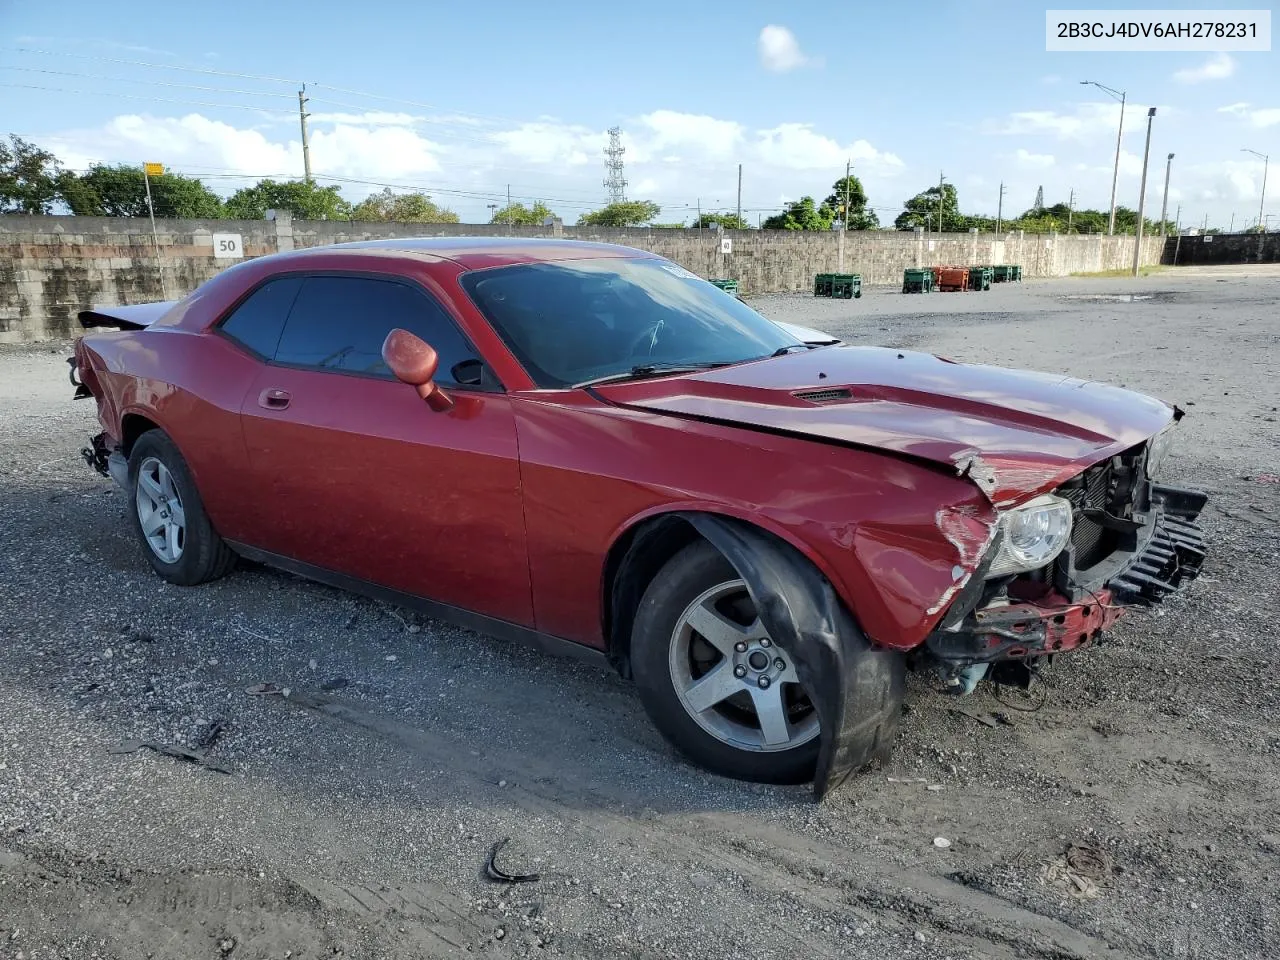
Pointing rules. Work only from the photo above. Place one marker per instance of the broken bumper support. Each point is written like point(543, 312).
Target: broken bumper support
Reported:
point(107, 462)
point(1027, 625)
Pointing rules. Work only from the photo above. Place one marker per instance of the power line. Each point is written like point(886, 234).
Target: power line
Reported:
point(159, 83)
point(266, 79)
point(157, 66)
point(130, 96)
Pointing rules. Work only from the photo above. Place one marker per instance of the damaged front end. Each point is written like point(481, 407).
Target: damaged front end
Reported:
point(1132, 542)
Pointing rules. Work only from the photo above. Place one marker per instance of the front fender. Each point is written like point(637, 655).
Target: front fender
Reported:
point(856, 688)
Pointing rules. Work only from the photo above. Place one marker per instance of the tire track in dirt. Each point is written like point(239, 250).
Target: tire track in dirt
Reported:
point(900, 897)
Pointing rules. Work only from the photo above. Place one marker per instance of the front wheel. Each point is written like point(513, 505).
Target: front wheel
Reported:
point(712, 679)
point(168, 515)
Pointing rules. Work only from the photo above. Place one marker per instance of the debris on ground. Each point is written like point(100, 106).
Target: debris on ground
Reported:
point(493, 872)
point(986, 718)
point(1080, 870)
point(169, 750)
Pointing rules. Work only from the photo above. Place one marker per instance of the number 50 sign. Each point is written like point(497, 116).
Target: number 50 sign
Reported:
point(227, 246)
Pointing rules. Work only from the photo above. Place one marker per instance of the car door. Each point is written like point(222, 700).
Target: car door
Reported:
point(356, 474)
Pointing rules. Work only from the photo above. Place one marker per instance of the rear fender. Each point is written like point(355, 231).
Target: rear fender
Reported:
point(856, 688)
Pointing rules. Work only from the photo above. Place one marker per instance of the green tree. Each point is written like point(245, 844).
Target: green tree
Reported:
point(302, 198)
point(401, 208)
point(922, 211)
point(628, 213)
point(729, 221)
point(30, 177)
point(517, 214)
point(804, 214)
point(860, 216)
point(121, 191)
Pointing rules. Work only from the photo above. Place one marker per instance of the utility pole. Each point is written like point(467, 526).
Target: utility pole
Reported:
point(1071, 208)
point(941, 178)
point(1177, 232)
point(1115, 95)
point(1232, 228)
point(306, 141)
point(1142, 194)
point(509, 210)
point(738, 221)
point(1000, 206)
point(1262, 199)
point(699, 218)
point(848, 168)
point(147, 170)
point(1164, 207)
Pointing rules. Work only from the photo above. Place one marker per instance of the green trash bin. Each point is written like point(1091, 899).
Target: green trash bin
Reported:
point(1016, 273)
point(917, 280)
point(980, 278)
point(846, 286)
point(1001, 273)
point(822, 284)
point(728, 286)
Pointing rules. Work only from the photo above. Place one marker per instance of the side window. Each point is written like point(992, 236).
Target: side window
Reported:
point(258, 321)
point(339, 323)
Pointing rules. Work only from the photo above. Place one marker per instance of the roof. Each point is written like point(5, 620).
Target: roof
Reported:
point(476, 252)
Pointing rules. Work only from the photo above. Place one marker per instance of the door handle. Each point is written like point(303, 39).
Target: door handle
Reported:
point(274, 398)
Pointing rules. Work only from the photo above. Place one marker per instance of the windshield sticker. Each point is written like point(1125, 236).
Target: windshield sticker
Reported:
point(676, 270)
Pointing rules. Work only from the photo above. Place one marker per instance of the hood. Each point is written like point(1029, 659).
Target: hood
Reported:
point(1015, 433)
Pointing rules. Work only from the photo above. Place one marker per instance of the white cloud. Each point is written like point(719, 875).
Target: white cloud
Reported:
point(797, 146)
point(780, 50)
point(1036, 160)
point(668, 130)
point(1261, 118)
point(671, 157)
point(1087, 120)
point(553, 143)
point(1218, 67)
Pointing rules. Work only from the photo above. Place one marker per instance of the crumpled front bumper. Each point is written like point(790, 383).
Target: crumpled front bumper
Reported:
point(1074, 608)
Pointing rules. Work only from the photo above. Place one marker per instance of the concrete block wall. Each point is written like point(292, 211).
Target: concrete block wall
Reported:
point(51, 267)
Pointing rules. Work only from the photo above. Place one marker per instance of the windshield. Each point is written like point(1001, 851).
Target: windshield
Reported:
point(580, 320)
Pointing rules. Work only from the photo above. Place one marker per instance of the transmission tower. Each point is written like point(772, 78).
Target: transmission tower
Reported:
point(614, 181)
point(1039, 198)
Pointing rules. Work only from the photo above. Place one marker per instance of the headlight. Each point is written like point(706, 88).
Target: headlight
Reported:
point(1034, 534)
point(1158, 449)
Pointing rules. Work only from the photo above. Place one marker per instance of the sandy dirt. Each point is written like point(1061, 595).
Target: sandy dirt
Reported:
point(1129, 808)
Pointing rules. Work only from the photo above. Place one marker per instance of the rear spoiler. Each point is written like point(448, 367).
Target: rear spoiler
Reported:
point(137, 317)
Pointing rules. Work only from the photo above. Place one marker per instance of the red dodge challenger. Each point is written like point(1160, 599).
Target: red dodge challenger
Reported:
point(587, 447)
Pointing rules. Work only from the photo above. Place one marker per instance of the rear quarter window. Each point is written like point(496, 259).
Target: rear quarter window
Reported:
point(259, 320)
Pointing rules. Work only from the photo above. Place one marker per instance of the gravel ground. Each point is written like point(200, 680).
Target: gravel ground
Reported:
point(1130, 808)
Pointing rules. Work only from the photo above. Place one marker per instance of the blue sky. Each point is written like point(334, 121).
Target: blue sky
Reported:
point(464, 100)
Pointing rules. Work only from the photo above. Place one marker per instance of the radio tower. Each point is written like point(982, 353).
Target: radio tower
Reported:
point(614, 182)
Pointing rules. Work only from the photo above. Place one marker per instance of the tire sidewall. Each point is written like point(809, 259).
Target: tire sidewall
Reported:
point(697, 568)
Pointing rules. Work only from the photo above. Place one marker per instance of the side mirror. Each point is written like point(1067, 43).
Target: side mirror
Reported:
point(413, 361)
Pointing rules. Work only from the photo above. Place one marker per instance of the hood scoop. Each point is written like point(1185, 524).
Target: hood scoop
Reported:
point(828, 395)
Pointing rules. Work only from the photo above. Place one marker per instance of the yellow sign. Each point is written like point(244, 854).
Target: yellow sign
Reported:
point(153, 169)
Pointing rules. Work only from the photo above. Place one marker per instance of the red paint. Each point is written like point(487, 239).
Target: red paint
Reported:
point(507, 504)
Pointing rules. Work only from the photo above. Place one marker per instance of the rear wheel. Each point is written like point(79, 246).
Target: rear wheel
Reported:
point(713, 680)
point(168, 515)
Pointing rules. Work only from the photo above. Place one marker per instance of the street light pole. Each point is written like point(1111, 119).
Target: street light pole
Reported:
point(1164, 207)
point(1115, 175)
point(1142, 195)
point(1262, 199)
